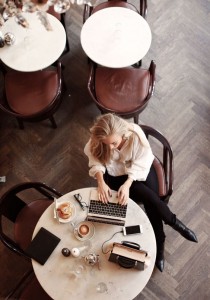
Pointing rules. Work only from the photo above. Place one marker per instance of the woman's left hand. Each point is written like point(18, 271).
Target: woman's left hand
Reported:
point(123, 194)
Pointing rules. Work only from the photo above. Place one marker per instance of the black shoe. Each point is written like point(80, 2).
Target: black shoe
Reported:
point(160, 257)
point(184, 231)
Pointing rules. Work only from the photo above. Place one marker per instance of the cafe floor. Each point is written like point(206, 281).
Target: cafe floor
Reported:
point(180, 109)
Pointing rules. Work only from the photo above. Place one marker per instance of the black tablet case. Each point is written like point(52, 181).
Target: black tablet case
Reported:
point(42, 245)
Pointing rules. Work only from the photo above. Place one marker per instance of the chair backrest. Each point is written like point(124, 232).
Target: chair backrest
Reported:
point(164, 157)
point(13, 202)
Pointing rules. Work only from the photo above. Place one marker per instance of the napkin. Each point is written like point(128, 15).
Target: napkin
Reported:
point(42, 245)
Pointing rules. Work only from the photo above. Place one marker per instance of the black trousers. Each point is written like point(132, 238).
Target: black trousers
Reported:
point(146, 192)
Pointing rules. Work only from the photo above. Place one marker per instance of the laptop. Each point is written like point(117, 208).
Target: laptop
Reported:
point(111, 213)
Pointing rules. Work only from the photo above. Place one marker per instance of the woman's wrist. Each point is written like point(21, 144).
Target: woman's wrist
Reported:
point(129, 182)
point(100, 177)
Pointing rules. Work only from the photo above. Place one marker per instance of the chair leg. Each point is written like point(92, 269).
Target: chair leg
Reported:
point(20, 123)
point(136, 119)
point(52, 120)
point(138, 64)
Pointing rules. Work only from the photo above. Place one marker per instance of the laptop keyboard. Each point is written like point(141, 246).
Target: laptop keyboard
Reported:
point(110, 209)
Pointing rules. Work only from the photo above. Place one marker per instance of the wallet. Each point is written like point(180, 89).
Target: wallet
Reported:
point(42, 245)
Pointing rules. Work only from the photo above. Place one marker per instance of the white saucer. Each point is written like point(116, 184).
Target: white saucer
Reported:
point(89, 235)
point(73, 212)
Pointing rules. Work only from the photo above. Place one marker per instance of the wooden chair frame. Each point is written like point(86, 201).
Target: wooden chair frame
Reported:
point(166, 161)
point(11, 205)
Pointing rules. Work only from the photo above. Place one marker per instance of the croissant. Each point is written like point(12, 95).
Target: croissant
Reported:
point(64, 210)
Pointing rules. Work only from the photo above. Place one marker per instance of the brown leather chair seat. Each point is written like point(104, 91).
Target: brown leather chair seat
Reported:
point(29, 215)
point(54, 13)
point(32, 96)
point(28, 288)
point(122, 90)
point(34, 291)
point(22, 206)
point(161, 177)
point(32, 93)
point(163, 162)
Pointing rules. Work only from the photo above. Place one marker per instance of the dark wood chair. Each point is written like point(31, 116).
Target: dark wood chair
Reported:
point(28, 288)
point(163, 162)
point(124, 91)
point(20, 208)
point(32, 96)
point(89, 10)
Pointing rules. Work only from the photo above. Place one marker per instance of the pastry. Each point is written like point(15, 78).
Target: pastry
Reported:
point(64, 210)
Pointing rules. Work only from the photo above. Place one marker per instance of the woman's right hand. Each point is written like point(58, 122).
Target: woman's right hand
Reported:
point(104, 192)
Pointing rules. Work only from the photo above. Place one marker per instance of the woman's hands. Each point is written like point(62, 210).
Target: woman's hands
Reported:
point(104, 192)
point(123, 192)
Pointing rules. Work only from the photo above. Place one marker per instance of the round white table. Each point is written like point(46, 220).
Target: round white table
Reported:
point(55, 275)
point(35, 48)
point(116, 37)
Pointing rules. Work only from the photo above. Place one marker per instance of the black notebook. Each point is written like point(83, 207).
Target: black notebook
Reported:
point(42, 245)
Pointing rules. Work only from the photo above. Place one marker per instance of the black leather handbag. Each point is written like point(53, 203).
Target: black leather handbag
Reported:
point(128, 255)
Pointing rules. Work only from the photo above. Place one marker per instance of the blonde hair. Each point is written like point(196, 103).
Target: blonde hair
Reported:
point(104, 126)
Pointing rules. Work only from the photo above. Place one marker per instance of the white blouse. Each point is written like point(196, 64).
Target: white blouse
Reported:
point(133, 159)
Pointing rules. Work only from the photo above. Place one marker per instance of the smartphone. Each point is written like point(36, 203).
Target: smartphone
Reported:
point(132, 229)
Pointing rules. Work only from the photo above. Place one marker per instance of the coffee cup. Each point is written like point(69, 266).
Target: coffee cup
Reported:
point(83, 230)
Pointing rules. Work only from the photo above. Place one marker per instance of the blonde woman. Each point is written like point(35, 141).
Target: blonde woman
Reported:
point(120, 158)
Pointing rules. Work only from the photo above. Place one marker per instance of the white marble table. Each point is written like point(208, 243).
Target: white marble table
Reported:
point(35, 48)
point(116, 37)
point(124, 284)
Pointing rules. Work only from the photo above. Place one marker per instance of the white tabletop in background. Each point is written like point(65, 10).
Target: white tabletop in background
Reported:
point(35, 48)
point(116, 37)
point(124, 284)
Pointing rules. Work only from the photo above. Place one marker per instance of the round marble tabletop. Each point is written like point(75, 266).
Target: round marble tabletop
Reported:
point(35, 48)
point(116, 37)
point(59, 275)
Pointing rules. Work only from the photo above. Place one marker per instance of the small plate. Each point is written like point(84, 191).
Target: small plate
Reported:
point(89, 235)
point(73, 212)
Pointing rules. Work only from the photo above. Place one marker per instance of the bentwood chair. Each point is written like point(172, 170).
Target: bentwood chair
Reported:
point(163, 162)
point(32, 96)
point(28, 288)
point(124, 91)
point(89, 10)
point(20, 209)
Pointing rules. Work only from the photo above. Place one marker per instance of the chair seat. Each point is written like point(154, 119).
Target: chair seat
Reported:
point(161, 177)
point(121, 90)
point(114, 3)
point(54, 13)
point(34, 291)
point(30, 93)
point(27, 220)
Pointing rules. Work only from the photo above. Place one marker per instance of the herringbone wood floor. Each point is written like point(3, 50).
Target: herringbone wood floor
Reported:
point(180, 109)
